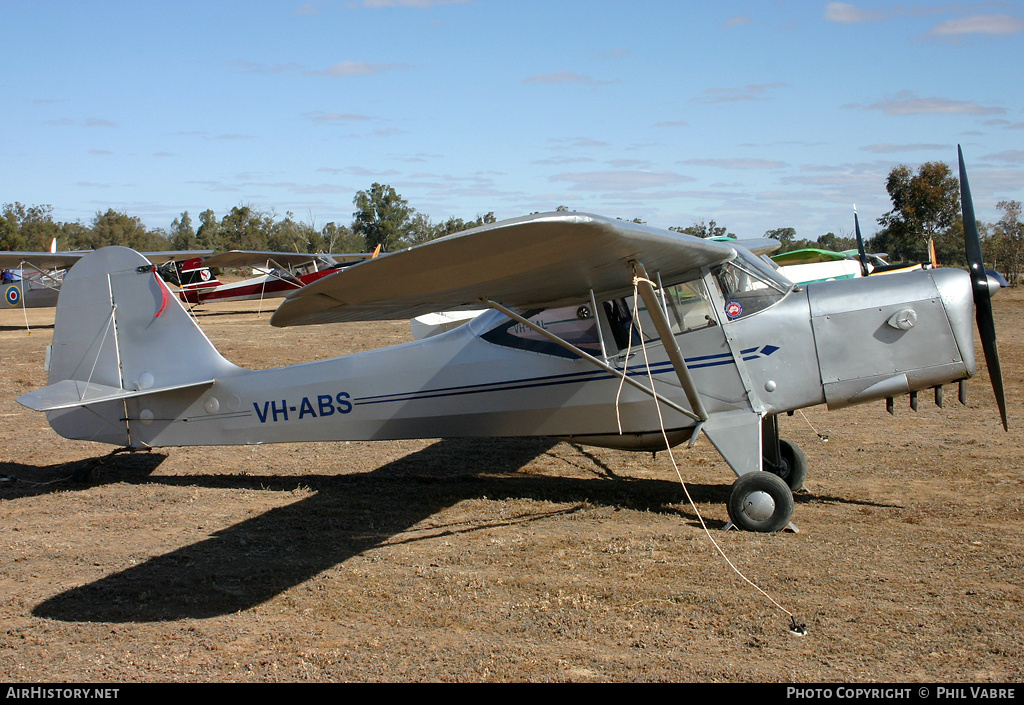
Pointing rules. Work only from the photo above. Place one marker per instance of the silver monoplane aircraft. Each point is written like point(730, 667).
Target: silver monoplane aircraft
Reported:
point(721, 346)
point(32, 279)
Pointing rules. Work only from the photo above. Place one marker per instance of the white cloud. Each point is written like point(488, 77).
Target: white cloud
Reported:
point(732, 95)
point(562, 77)
point(737, 21)
point(907, 103)
point(845, 13)
point(737, 163)
point(614, 54)
point(356, 68)
point(375, 4)
point(1012, 156)
point(335, 118)
point(978, 24)
point(619, 180)
point(885, 148)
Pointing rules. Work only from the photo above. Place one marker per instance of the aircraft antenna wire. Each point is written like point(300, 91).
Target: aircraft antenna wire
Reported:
point(794, 627)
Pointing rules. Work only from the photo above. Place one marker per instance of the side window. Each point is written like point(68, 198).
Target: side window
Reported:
point(573, 324)
point(619, 313)
point(687, 307)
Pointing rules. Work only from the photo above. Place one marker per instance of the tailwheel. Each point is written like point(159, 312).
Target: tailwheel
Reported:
point(792, 465)
point(760, 501)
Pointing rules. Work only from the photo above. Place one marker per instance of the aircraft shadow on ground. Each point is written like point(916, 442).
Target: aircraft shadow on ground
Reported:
point(43, 326)
point(255, 560)
point(22, 480)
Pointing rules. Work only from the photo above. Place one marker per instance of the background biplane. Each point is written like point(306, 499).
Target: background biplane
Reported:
point(723, 346)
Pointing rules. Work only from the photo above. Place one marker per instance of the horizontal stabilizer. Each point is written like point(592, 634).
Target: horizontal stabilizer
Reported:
point(70, 393)
point(536, 261)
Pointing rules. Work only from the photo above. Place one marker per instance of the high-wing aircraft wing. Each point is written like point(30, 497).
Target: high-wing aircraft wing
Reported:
point(64, 260)
point(758, 246)
point(40, 260)
point(352, 256)
point(255, 258)
point(174, 255)
point(547, 259)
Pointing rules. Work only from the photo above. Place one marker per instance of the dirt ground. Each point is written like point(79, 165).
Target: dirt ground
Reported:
point(506, 560)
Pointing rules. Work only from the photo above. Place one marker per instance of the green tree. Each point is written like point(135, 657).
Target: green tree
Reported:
point(926, 206)
point(1004, 249)
point(289, 235)
point(27, 227)
point(208, 234)
point(245, 228)
point(382, 217)
point(11, 238)
point(835, 243)
point(786, 236)
point(705, 230)
point(453, 225)
point(117, 228)
point(340, 239)
point(183, 235)
point(72, 236)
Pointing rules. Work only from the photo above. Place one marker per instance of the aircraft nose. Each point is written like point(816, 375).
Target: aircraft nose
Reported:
point(993, 285)
point(954, 286)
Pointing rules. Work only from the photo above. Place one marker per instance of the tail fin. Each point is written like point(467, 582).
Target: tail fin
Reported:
point(119, 333)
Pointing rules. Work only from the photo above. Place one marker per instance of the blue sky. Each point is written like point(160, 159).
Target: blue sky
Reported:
point(757, 114)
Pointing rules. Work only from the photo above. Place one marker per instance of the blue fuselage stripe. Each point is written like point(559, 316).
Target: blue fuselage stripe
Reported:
point(546, 381)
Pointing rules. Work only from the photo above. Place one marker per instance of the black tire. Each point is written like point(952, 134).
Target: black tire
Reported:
point(760, 501)
point(792, 465)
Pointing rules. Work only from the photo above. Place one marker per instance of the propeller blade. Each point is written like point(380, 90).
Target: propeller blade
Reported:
point(982, 294)
point(860, 245)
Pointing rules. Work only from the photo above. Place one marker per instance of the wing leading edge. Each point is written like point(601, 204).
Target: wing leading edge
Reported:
point(536, 261)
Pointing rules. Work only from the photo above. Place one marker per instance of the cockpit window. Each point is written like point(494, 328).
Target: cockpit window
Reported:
point(747, 287)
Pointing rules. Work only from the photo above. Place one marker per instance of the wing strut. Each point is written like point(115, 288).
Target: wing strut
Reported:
point(664, 328)
point(600, 363)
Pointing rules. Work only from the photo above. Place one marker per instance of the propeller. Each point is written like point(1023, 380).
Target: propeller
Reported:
point(864, 269)
point(982, 293)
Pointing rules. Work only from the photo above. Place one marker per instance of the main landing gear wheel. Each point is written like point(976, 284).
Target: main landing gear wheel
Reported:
point(792, 467)
point(760, 501)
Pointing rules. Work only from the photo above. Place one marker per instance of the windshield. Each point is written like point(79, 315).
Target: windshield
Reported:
point(748, 286)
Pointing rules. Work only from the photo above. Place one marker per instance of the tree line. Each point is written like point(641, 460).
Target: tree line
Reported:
point(383, 217)
point(926, 207)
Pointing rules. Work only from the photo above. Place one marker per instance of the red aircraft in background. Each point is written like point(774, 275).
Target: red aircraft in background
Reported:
point(284, 272)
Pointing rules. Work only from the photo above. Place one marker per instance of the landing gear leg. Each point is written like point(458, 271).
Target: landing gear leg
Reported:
point(782, 458)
